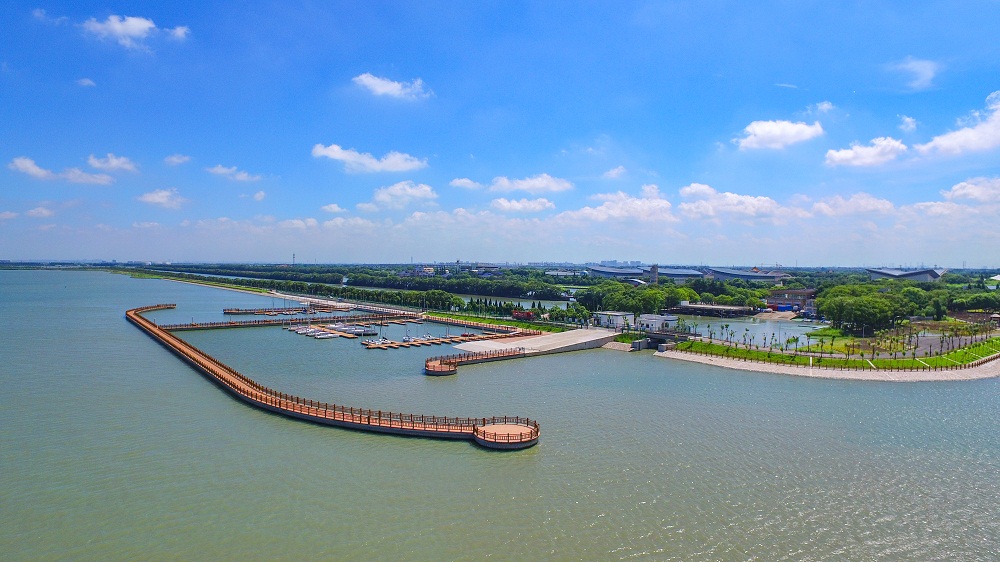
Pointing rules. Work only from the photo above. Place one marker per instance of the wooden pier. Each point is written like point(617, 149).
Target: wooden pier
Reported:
point(498, 432)
point(380, 319)
point(448, 364)
point(310, 309)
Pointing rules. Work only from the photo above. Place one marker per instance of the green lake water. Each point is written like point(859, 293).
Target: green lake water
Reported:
point(113, 449)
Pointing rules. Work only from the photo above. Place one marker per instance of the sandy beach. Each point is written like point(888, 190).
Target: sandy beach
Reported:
point(985, 371)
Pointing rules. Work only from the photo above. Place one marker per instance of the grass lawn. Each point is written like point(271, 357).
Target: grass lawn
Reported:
point(499, 321)
point(949, 360)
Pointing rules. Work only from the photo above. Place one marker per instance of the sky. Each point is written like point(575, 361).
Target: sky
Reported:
point(719, 133)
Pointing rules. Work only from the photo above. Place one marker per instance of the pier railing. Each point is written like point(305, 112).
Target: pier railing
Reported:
point(485, 434)
point(448, 364)
point(352, 319)
point(250, 391)
point(484, 326)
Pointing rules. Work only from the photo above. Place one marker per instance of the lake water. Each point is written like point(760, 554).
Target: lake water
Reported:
point(113, 449)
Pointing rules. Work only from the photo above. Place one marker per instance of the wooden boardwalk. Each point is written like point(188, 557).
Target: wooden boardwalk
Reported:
point(448, 364)
point(381, 319)
point(310, 309)
point(498, 432)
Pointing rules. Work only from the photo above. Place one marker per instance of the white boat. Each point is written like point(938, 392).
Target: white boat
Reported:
point(325, 336)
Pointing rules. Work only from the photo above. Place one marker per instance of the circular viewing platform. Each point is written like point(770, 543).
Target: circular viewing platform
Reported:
point(507, 435)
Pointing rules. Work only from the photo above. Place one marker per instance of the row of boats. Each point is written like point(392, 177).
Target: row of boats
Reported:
point(414, 339)
point(358, 330)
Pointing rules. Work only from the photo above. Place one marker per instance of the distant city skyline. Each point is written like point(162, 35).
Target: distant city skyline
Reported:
point(666, 132)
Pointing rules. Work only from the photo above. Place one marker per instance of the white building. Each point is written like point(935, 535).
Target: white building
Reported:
point(656, 322)
point(612, 319)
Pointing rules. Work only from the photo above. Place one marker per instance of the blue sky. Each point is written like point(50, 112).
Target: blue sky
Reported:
point(724, 133)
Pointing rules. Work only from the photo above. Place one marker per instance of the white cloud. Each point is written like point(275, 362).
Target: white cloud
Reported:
point(907, 124)
point(983, 135)
point(881, 150)
point(166, 198)
point(333, 208)
point(176, 159)
point(221, 170)
point(522, 205)
point(620, 206)
point(789, 86)
point(986, 190)
point(40, 212)
point(542, 183)
point(27, 166)
point(130, 32)
point(232, 173)
point(355, 161)
point(76, 175)
point(40, 15)
point(86, 83)
point(922, 71)
point(857, 203)
point(945, 209)
point(112, 162)
point(465, 183)
point(614, 173)
point(367, 207)
point(5, 215)
point(353, 224)
point(299, 224)
point(146, 224)
point(179, 33)
point(385, 87)
point(259, 196)
point(706, 202)
point(399, 195)
point(73, 175)
point(777, 134)
point(823, 107)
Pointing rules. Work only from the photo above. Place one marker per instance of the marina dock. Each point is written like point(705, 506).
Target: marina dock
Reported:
point(498, 432)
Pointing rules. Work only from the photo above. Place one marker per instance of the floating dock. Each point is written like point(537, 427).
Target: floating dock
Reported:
point(498, 432)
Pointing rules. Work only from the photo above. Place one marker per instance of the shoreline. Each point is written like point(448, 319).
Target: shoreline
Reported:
point(985, 371)
point(210, 286)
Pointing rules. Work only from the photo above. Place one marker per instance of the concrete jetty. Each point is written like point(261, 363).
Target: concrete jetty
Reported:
point(557, 342)
point(482, 351)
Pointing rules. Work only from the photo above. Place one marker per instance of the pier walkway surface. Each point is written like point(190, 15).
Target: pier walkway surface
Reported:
point(353, 319)
point(498, 432)
point(493, 350)
point(558, 342)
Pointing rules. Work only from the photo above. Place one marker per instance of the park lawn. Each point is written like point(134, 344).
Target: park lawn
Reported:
point(949, 360)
